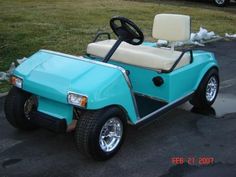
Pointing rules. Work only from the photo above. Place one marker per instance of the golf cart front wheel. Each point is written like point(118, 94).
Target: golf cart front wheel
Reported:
point(221, 3)
point(100, 134)
point(18, 105)
point(207, 91)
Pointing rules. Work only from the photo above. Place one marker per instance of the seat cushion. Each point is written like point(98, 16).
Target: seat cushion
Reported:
point(143, 56)
point(171, 27)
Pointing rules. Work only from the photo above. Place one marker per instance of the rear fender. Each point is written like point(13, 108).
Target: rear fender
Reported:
point(204, 61)
point(208, 67)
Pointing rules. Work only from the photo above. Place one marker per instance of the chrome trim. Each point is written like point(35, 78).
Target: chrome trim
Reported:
point(161, 109)
point(90, 61)
point(125, 75)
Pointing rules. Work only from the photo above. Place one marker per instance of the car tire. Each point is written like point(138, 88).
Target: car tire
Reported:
point(91, 130)
point(207, 90)
point(14, 107)
point(221, 3)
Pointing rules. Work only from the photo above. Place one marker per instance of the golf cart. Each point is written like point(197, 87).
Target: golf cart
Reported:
point(118, 82)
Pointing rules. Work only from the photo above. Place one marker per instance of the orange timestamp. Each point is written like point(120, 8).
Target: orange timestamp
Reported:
point(204, 160)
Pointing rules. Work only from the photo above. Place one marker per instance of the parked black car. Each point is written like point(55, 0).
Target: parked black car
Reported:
point(221, 3)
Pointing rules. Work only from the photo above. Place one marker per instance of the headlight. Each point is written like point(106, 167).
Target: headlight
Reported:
point(77, 99)
point(16, 81)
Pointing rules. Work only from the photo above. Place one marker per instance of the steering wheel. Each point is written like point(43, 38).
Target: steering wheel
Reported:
point(126, 30)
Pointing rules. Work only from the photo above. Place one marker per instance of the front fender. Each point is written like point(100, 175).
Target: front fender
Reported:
point(107, 88)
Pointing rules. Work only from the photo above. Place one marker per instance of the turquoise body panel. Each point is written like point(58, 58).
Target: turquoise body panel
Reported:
point(177, 84)
point(55, 109)
point(51, 76)
point(141, 80)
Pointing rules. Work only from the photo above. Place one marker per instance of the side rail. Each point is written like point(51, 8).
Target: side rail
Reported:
point(99, 34)
point(178, 60)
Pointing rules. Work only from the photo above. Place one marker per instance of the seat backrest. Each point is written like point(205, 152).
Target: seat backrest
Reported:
point(171, 27)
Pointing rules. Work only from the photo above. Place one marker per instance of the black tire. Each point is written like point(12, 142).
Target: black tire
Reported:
point(88, 131)
point(221, 3)
point(14, 109)
point(199, 99)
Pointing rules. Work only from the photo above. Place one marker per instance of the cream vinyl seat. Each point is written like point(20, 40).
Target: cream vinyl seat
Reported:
point(168, 27)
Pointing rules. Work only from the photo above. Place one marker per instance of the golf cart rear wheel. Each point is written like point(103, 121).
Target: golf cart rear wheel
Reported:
point(18, 105)
point(100, 134)
point(207, 91)
point(221, 3)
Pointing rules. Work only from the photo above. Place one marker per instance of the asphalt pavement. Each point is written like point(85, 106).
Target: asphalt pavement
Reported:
point(185, 143)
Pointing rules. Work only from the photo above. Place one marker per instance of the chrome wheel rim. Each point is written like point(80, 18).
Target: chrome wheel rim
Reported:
point(220, 1)
point(211, 89)
point(111, 134)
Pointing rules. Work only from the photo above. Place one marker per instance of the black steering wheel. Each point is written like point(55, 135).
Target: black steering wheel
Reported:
point(127, 30)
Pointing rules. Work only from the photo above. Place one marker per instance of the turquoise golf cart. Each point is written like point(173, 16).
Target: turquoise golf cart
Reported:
point(118, 82)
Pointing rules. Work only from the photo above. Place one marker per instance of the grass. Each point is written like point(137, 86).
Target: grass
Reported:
point(4, 86)
point(68, 26)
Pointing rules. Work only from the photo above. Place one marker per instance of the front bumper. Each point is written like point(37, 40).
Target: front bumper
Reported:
point(48, 122)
